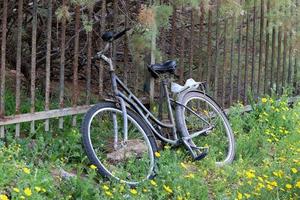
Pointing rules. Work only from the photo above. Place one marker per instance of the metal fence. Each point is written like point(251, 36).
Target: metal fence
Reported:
point(235, 55)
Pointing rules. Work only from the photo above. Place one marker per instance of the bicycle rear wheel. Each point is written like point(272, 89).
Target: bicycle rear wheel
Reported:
point(125, 157)
point(205, 120)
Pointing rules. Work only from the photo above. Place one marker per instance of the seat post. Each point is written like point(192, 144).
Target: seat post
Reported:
point(165, 82)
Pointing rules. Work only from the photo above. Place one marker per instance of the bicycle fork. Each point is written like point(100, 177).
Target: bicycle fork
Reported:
point(125, 125)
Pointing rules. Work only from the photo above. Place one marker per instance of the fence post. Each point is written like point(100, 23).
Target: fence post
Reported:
point(253, 50)
point(75, 63)
point(3, 64)
point(261, 35)
point(33, 62)
point(48, 62)
point(19, 62)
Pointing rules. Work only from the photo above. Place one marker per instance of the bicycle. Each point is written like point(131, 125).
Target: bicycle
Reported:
point(119, 135)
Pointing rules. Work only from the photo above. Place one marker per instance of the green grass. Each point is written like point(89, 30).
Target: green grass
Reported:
point(266, 166)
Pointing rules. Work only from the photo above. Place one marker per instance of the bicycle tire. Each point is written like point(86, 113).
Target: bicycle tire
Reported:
point(90, 149)
point(184, 99)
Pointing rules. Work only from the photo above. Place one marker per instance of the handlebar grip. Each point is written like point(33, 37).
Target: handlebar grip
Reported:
point(120, 34)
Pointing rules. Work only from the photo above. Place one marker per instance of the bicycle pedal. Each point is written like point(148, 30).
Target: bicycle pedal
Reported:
point(201, 156)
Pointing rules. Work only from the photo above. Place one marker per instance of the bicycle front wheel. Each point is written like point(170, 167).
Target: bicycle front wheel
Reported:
point(119, 152)
point(205, 126)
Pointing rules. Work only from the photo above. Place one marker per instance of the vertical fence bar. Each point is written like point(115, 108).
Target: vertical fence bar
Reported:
point(182, 52)
point(253, 49)
point(33, 62)
point(284, 59)
point(115, 26)
point(191, 57)
point(209, 49)
point(19, 61)
point(261, 35)
point(272, 60)
point(62, 65)
point(224, 63)
point(267, 71)
point(241, 21)
point(3, 64)
point(216, 72)
point(48, 62)
point(231, 74)
point(174, 30)
point(289, 76)
point(246, 58)
point(75, 63)
point(201, 30)
point(89, 60)
point(295, 76)
point(126, 49)
point(278, 71)
point(102, 29)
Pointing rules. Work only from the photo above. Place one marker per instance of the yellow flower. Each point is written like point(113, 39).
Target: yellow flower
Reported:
point(288, 186)
point(260, 179)
point(38, 189)
point(153, 183)
point(133, 191)
point(105, 187)
point(16, 190)
point(239, 195)
point(264, 100)
point(93, 167)
point(157, 154)
point(43, 190)
point(247, 195)
point(26, 170)
point(190, 175)
point(145, 190)
point(179, 198)
point(3, 197)
point(22, 197)
point(27, 192)
point(108, 193)
point(250, 174)
point(274, 183)
point(168, 189)
point(297, 184)
point(294, 170)
point(269, 187)
point(183, 165)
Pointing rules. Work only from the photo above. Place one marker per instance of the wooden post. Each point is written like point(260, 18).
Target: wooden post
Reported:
point(216, 72)
point(19, 62)
point(191, 57)
point(200, 74)
point(102, 29)
point(89, 60)
point(224, 64)
point(232, 52)
point(48, 61)
point(278, 71)
point(267, 73)
point(272, 59)
point(253, 50)
point(284, 59)
point(62, 66)
point(3, 64)
point(246, 58)
point(240, 38)
point(209, 49)
point(33, 61)
point(75, 63)
point(261, 35)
